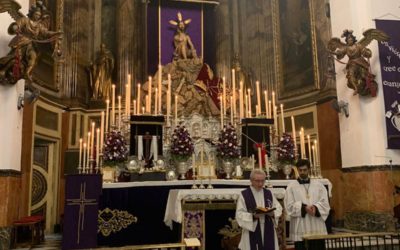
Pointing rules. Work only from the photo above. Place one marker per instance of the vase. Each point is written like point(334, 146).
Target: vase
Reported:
point(228, 168)
point(181, 169)
point(287, 170)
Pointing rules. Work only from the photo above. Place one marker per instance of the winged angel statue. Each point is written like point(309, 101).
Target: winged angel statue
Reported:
point(358, 73)
point(28, 31)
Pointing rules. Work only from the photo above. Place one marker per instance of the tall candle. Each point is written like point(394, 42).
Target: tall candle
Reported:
point(234, 92)
point(138, 99)
point(176, 110)
point(283, 119)
point(80, 153)
point(259, 158)
point(249, 99)
point(129, 97)
point(221, 111)
point(258, 110)
point(84, 158)
point(317, 163)
point(134, 107)
point(246, 104)
point(159, 88)
point(156, 102)
point(266, 164)
point(150, 93)
point(266, 103)
point(102, 131)
point(302, 144)
point(119, 113)
point(97, 147)
point(309, 148)
point(88, 150)
point(231, 99)
point(112, 105)
point(126, 100)
point(294, 134)
point(147, 104)
point(273, 99)
point(241, 116)
point(275, 119)
point(270, 109)
point(107, 115)
point(314, 165)
point(224, 95)
point(169, 99)
point(92, 141)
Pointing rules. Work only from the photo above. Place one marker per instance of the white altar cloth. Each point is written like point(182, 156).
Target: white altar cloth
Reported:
point(173, 211)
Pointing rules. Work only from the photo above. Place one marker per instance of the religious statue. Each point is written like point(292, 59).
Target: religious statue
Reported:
point(184, 48)
point(100, 73)
point(358, 74)
point(28, 31)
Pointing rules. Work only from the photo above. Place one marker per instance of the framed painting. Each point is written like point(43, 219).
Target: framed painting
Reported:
point(295, 43)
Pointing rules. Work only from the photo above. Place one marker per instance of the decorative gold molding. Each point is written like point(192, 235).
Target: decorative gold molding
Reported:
point(112, 221)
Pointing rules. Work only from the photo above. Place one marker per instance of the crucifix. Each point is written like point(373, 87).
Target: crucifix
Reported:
point(82, 202)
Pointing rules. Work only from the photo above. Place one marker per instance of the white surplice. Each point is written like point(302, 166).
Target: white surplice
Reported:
point(296, 195)
point(246, 222)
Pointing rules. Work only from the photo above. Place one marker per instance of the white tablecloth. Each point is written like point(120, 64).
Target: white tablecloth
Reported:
point(173, 211)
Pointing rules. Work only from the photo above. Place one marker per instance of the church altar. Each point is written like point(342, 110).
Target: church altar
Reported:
point(137, 213)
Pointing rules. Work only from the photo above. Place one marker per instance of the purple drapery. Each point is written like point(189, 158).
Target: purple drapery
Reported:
point(389, 55)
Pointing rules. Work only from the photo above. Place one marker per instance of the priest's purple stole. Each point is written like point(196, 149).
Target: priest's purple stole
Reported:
point(255, 237)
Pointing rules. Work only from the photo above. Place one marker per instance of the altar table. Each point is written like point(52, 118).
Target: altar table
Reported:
point(132, 213)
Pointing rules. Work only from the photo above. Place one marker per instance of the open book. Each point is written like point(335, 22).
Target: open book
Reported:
point(264, 210)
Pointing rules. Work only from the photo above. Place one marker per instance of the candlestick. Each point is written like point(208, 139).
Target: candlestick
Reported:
point(129, 97)
point(156, 102)
point(92, 141)
point(176, 109)
point(126, 98)
point(224, 95)
point(259, 158)
point(273, 99)
point(112, 105)
point(283, 120)
point(294, 135)
point(107, 115)
point(102, 131)
point(97, 147)
point(258, 110)
point(169, 99)
point(134, 107)
point(80, 154)
point(270, 109)
point(302, 143)
point(241, 115)
point(309, 148)
point(234, 92)
point(119, 113)
point(249, 100)
point(314, 165)
point(221, 111)
point(266, 163)
point(84, 158)
point(138, 99)
point(88, 151)
point(159, 88)
point(266, 103)
point(231, 99)
point(150, 93)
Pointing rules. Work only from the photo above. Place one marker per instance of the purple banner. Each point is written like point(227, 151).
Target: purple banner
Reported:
point(389, 55)
point(169, 11)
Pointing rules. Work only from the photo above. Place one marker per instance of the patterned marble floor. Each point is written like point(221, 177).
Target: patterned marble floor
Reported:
point(51, 242)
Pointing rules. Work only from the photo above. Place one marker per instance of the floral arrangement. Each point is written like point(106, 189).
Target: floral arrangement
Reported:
point(286, 154)
point(182, 145)
point(115, 149)
point(228, 147)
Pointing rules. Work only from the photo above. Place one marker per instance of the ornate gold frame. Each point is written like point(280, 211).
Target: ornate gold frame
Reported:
point(108, 174)
point(282, 94)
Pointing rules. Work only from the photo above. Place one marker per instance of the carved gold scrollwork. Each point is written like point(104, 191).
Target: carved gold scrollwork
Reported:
point(112, 221)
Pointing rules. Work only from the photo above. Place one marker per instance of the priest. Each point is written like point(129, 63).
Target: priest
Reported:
point(258, 225)
point(307, 204)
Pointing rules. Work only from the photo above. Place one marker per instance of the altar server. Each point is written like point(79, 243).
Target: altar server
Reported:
point(258, 230)
point(307, 204)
